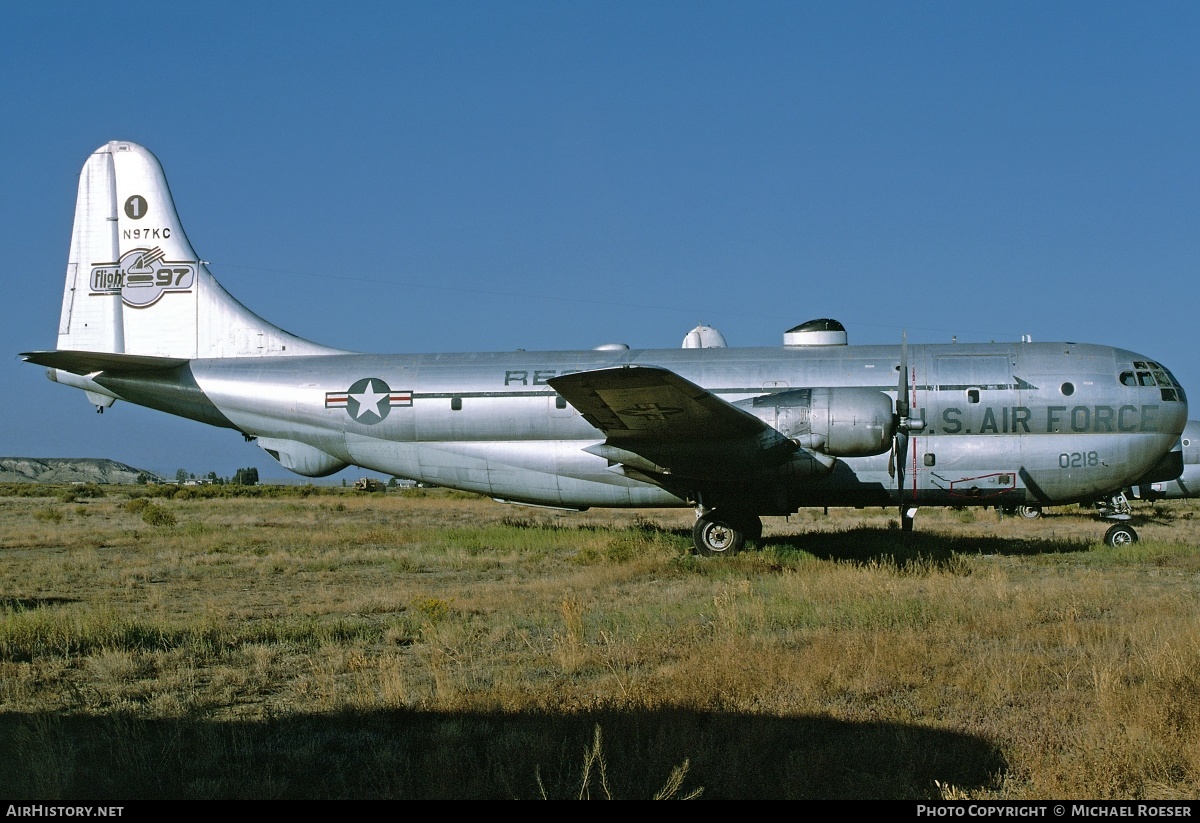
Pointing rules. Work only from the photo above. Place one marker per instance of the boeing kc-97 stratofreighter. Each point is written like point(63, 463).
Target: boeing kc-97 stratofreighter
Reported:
point(736, 433)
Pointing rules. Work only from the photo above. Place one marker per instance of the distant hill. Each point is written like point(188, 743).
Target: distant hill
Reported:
point(69, 470)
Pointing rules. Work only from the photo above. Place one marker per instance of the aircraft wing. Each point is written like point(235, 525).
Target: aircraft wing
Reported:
point(652, 403)
point(88, 362)
point(659, 423)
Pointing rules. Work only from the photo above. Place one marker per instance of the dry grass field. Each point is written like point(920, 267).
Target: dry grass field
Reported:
point(428, 644)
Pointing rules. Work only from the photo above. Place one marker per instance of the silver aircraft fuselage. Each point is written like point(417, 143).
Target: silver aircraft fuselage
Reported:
point(1037, 422)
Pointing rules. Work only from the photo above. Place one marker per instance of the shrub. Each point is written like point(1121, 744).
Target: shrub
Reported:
point(157, 516)
point(49, 515)
point(136, 504)
point(432, 608)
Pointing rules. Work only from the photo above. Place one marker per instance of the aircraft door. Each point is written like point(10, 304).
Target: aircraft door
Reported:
point(977, 410)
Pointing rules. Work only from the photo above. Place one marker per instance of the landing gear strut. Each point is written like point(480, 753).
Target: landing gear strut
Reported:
point(1117, 508)
point(716, 534)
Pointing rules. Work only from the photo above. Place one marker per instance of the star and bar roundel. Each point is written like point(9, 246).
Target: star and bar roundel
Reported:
point(368, 401)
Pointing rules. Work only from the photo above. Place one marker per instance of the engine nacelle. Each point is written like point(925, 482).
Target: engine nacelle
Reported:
point(301, 458)
point(840, 422)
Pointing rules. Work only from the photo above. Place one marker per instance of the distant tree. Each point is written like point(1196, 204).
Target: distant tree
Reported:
point(181, 475)
point(246, 477)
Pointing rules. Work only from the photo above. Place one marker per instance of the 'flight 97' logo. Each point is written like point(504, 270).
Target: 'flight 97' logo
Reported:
point(142, 276)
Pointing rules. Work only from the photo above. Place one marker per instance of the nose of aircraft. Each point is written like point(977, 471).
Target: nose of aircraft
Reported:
point(1149, 376)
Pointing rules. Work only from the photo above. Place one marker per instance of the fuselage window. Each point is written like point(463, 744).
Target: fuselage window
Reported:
point(972, 395)
point(1128, 379)
point(456, 404)
point(1068, 389)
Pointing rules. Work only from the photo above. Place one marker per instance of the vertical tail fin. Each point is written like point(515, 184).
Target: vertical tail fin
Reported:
point(134, 284)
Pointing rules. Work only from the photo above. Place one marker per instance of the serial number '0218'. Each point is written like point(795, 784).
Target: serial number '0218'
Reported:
point(1076, 460)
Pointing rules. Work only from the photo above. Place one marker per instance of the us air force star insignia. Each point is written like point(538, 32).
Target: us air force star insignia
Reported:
point(364, 400)
point(651, 411)
point(368, 401)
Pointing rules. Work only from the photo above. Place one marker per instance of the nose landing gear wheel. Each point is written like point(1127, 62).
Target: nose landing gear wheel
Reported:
point(1121, 534)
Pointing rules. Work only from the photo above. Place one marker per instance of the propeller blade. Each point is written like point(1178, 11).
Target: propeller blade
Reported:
point(900, 439)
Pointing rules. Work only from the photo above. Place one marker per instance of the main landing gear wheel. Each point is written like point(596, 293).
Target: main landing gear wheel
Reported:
point(1030, 512)
point(715, 535)
point(1122, 534)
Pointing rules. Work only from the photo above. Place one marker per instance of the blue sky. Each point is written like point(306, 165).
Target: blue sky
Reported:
point(460, 176)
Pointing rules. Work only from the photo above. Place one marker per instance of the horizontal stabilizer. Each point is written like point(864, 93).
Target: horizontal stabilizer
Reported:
point(89, 362)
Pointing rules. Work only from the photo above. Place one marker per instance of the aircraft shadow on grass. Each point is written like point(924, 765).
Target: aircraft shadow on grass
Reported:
point(405, 754)
point(868, 545)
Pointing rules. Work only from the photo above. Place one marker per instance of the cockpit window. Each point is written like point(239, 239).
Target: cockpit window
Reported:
point(1149, 373)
